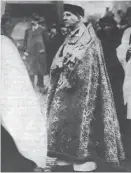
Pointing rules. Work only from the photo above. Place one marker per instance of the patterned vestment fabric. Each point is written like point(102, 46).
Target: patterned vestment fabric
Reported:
point(82, 119)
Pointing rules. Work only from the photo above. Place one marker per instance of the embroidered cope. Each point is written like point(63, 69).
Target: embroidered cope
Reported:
point(82, 120)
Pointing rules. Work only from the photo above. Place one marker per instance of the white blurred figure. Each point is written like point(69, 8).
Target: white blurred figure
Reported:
point(124, 56)
point(20, 109)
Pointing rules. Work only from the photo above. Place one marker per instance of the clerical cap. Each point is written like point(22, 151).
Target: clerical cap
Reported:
point(74, 7)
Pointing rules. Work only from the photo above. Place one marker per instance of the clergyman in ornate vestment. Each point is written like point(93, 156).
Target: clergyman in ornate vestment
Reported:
point(82, 119)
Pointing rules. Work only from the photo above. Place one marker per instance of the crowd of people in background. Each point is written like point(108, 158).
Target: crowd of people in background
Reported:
point(111, 35)
point(115, 41)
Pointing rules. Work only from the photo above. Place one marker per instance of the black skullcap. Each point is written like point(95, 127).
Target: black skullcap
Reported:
point(74, 9)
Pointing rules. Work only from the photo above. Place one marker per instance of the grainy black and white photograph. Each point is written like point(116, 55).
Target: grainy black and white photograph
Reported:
point(65, 86)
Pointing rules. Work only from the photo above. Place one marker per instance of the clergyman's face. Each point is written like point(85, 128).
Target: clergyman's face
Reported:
point(70, 19)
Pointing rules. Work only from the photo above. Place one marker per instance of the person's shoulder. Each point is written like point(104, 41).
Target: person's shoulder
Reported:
point(90, 30)
point(128, 30)
point(126, 34)
point(5, 40)
point(89, 35)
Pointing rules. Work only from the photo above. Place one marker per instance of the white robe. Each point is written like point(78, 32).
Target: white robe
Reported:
point(20, 109)
point(121, 53)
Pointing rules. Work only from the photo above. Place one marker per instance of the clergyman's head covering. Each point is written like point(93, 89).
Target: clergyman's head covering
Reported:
point(74, 7)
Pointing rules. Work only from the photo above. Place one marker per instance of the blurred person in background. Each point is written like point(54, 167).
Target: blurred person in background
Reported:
point(124, 56)
point(5, 21)
point(64, 31)
point(110, 37)
point(100, 30)
point(125, 21)
point(42, 24)
point(128, 17)
point(82, 119)
point(55, 41)
point(35, 52)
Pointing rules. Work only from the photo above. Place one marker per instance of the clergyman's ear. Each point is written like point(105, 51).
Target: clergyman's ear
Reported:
point(79, 17)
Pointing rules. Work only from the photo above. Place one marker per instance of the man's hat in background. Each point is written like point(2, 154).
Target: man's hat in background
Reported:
point(35, 17)
point(74, 7)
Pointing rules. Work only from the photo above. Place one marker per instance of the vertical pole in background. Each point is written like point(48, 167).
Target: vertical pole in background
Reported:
point(59, 9)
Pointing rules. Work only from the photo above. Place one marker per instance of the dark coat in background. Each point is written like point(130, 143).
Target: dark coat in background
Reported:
point(53, 45)
point(116, 74)
point(35, 46)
